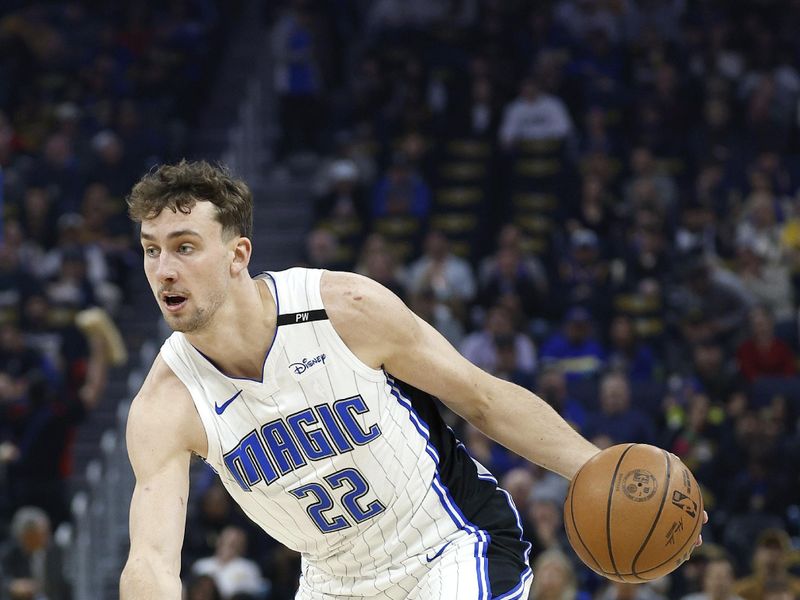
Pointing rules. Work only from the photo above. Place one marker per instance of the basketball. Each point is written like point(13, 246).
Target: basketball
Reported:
point(633, 513)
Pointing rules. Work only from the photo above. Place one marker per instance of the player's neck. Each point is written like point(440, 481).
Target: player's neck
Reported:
point(241, 332)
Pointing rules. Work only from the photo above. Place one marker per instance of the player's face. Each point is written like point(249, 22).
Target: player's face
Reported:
point(187, 262)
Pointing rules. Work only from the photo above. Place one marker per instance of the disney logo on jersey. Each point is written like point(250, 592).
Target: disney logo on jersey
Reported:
point(298, 368)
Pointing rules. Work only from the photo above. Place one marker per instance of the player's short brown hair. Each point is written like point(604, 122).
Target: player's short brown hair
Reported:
point(180, 186)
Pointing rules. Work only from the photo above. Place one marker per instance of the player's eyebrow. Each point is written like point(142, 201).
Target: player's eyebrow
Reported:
point(172, 234)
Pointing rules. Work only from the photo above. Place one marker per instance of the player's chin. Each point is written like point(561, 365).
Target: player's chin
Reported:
point(175, 318)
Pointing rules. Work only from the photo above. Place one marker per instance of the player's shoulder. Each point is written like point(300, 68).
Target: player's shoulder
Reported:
point(161, 381)
point(367, 316)
point(360, 305)
point(163, 410)
point(351, 293)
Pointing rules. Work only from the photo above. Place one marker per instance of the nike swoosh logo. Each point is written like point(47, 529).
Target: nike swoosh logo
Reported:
point(221, 408)
point(430, 558)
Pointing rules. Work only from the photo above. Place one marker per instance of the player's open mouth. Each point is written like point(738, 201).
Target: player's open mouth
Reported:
point(173, 302)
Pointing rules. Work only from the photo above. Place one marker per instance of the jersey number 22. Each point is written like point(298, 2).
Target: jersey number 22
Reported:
point(323, 502)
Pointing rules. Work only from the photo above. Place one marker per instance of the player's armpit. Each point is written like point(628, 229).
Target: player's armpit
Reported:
point(160, 459)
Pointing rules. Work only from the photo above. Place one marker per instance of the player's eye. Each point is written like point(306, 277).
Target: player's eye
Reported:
point(151, 251)
point(185, 248)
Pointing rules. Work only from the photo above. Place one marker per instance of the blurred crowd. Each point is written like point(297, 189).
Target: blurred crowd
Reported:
point(91, 96)
point(595, 199)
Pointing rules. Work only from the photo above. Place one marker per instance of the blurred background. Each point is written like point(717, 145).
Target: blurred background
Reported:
point(596, 199)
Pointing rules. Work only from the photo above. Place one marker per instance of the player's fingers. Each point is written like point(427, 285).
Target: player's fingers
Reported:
point(700, 537)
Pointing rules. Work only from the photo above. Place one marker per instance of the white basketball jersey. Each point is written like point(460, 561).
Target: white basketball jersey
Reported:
point(326, 454)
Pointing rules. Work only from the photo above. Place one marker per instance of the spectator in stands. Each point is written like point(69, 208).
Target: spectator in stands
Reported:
point(378, 262)
point(555, 578)
point(507, 367)
point(357, 146)
point(617, 417)
point(512, 271)
point(534, 115)
point(698, 231)
point(761, 486)
point(760, 228)
point(648, 185)
point(722, 306)
point(766, 282)
point(762, 354)
point(519, 483)
point(17, 285)
point(402, 191)
point(71, 288)
point(481, 347)
point(584, 273)
point(574, 349)
point(647, 255)
point(38, 217)
point(693, 436)
point(342, 208)
point(428, 307)
point(447, 275)
point(689, 578)
point(480, 116)
point(31, 563)
point(214, 512)
point(627, 354)
point(112, 166)
point(551, 386)
point(717, 581)
point(593, 212)
point(769, 567)
point(60, 169)
point(716, 191)
point(19, 359)
point(545, 515)
point(231, 571)
point(107, 229)
point(598, 135)
point(322, 250)
point(72, 247)
point(714, 373)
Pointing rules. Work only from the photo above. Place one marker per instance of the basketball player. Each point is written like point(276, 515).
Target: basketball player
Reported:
point(310, 393)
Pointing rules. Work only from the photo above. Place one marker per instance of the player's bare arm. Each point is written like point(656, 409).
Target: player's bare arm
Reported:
point(163, 431)
point(378, 327)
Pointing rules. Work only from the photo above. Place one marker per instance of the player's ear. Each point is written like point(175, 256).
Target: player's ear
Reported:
point(241, 255)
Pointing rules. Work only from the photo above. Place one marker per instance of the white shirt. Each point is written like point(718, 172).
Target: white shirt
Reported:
point(235, 576)
point(544, 118)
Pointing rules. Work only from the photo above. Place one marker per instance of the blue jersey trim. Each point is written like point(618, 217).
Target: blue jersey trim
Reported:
point(527, 573)
point(452, 509)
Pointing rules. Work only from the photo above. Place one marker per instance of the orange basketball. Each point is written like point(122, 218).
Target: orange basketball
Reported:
point(633, 513)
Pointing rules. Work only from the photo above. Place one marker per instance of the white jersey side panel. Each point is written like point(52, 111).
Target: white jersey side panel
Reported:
point(324, 452)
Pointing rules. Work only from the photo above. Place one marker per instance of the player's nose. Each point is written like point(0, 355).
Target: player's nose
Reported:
point(167, 269)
